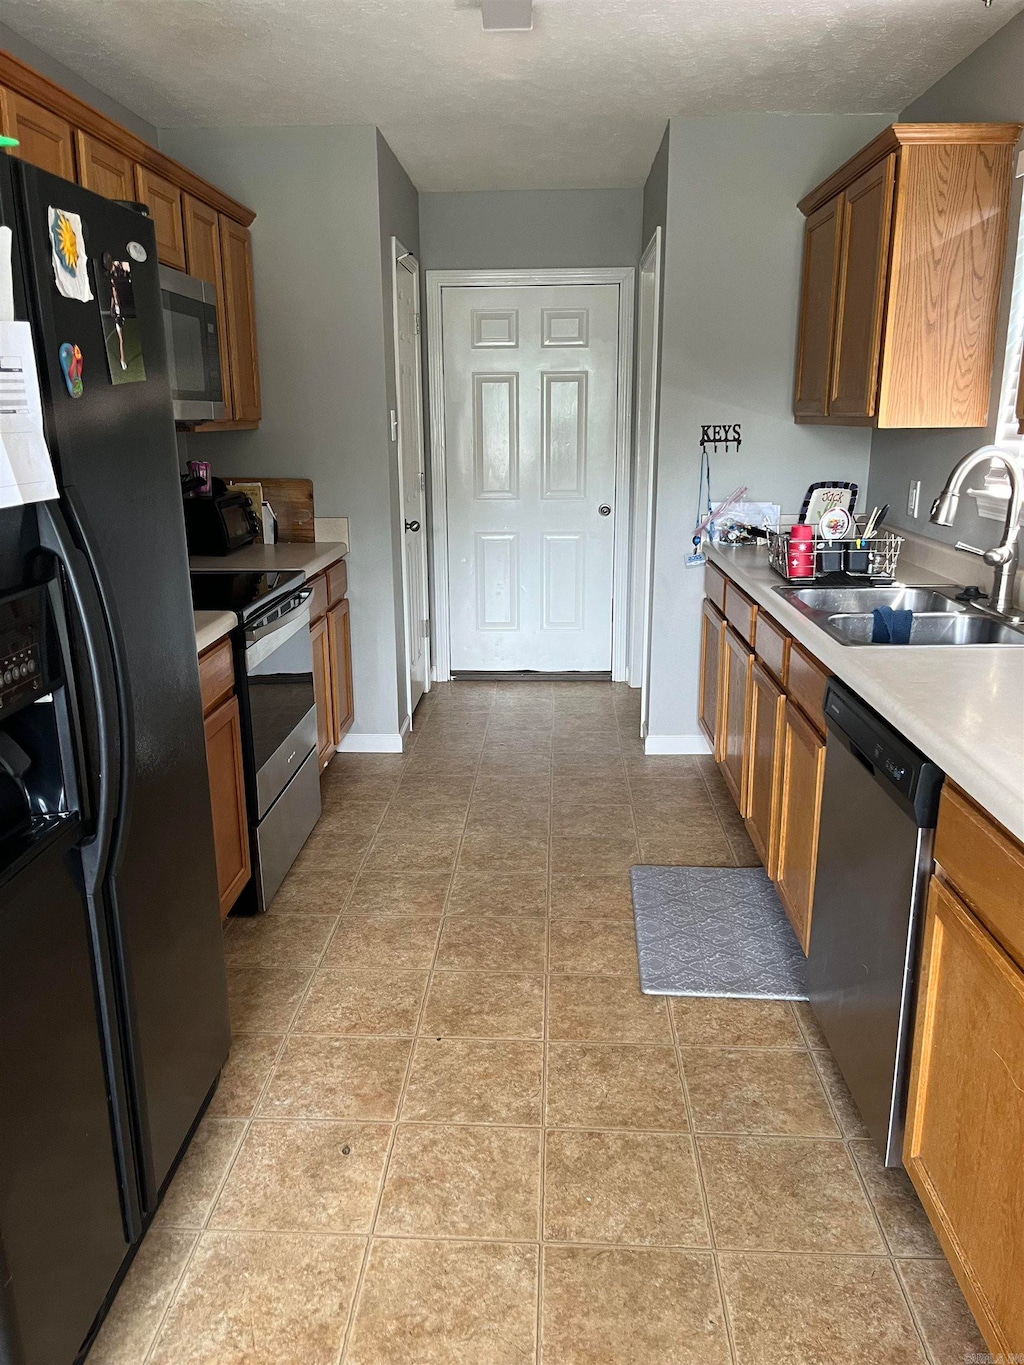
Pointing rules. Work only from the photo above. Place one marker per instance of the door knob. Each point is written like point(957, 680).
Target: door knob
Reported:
point(605, 510)
point(412, 526)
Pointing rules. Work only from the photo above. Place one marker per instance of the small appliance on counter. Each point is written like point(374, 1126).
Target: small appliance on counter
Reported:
point(220, 521)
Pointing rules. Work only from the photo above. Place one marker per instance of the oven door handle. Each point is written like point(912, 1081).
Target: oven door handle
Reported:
point(263, 640)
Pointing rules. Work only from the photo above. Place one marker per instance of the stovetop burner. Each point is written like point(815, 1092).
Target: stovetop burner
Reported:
point(246, 593)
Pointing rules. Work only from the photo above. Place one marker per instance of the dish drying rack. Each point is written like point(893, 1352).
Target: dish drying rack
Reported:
point(854, 557)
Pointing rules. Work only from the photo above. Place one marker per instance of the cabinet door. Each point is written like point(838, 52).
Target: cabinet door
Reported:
point(340, 641)
point(816, 335)
point(863, 274)
point(712, 634)
point(203, 259)
point(164, 203)
point(103, 169)
point(737, 661)
point(227, 800)
point(46, 140)
point(965, 1118)
point(803, 768)
point(240, 320)
point(764, 768)
point(318, 635)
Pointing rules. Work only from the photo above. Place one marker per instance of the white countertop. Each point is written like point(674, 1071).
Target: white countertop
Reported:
point(212, 626)
point(961, 705)
point(312, 558)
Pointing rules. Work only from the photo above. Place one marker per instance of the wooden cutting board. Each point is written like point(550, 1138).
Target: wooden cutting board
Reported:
point(292, 501)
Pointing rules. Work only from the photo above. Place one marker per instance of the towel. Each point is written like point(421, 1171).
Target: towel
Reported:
point(891, 626)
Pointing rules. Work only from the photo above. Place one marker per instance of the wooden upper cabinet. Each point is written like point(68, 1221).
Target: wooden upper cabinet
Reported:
point(202, 258)
point(863, 272)
point(163, 199)
point(46, 139)
point(816, 339)
point(103, 169)
point(240, 321)
point(919, 243)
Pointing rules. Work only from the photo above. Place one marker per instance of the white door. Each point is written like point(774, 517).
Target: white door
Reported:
point(531, 378)
point(409, 432)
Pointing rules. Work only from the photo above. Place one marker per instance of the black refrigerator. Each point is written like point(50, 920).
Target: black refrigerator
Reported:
point(113, 1005)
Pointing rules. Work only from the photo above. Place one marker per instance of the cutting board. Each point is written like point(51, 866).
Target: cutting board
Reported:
point(292, 501)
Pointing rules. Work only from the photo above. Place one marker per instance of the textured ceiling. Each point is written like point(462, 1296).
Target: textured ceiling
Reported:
point(579, 101)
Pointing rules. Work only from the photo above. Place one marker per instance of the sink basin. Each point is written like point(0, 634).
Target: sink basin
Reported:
point(866, 599)
point(930, 628)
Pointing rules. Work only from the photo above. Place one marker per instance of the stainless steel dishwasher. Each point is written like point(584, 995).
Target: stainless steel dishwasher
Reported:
point(878, 810)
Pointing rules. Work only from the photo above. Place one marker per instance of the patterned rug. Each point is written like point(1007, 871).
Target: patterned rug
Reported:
point(714, 931)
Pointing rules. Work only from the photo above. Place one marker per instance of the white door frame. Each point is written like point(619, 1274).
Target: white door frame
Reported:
point(643, 524)
point(400, 259)
point(439, 280)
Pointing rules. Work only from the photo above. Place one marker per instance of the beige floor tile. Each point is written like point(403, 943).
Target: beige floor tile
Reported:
point(498, 893)
point(337, 1078)
point(523, 764)
point(399, 893)
point(365, 942)
point(423, 822)
point(462, 1182)
point(446, 1303)
point(456, 1080)
point(623, 1306)
point(571, 857)
point(707, 1022)
point(497, 943)
point(338, 841)
point(435, 788)
point(245, 1073)
point(531, 814)
point(668, 821)
point(569, 791)
point(413, 852)
point(946, 1322)
point(806, 1310)
point(276, 940)
point(610, 1085)
point(130, 1326)
point(904, 1222)
point(744, 1090)
point(600, 822)
point(638, 1188)
point(684, 850)
point(505, 850)
point(375, 1002)
point(850, 1121)
point(743, 850)
point(315, 891)
point(484, 1005)
point(305, 1177)
point(785, 1194)
point(252, 1298)
point(592, 897)
point(605, 1009)
point(191, 1193)
point(598, 947)
point(809, 1025)
point(264, 999)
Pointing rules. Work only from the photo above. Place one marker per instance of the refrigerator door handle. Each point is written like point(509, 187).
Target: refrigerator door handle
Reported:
point(92, 625)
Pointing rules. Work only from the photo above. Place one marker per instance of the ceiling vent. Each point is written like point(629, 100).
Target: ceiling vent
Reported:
point(505, 16)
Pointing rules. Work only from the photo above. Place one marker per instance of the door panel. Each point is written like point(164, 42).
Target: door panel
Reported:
point(240, 320)
point(822, 241)
point(227, 800)
point(203, 259)
point(164, 202)
point(767, 708)
point(531, 379)
point(103, 169)
point(712, 647)
point(340, 640)
point(737, 661)
point(414, 507)
point(46, 140)
point(803, 770)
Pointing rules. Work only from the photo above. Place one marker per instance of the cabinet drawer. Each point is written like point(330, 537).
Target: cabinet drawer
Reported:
point(773, 647)
point(806, 684)
point(740, 611)
point(714, 586)
point(986, 866)
point(216, 675)
point(337, 582)
point(318, 603)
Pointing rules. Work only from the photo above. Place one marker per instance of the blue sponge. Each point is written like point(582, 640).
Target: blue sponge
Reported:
point(891, 626)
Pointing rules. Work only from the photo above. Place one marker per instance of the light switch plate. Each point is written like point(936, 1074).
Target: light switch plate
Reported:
point(913, 497)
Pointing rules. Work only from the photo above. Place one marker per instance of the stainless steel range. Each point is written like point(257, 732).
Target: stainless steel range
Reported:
point(274, 677)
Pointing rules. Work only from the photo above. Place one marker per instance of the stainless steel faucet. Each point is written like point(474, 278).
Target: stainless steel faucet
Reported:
point(1005, 557)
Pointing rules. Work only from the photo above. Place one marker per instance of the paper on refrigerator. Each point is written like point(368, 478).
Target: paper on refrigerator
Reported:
point(26, 471)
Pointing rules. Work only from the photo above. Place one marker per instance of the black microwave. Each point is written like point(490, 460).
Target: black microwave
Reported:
point(217, 523)
point(193, 353)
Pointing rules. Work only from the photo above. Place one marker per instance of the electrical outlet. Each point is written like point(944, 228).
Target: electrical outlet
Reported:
point(913, 497)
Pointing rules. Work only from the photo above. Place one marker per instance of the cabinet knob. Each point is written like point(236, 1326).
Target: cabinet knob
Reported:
point(412, 526)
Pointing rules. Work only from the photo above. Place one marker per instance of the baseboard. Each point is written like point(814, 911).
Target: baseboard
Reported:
point(406, 728)
point(371, 744)
point(676, 744)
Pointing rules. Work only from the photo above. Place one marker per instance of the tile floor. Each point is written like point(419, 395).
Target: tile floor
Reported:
point(452, 1129)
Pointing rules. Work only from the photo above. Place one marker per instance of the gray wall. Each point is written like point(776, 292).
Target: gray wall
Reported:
point(988, 86)
point(526, 229)
point(56, 71)
point(655, 192)
point(732, 268)
point(320, 316)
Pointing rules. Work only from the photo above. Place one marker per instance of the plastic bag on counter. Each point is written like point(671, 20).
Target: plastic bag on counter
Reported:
point(731, 527)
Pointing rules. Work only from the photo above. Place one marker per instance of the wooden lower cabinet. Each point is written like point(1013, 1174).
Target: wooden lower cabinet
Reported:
point(340, 643)
point(965, 1121)
point(712, 645)
point(318, 635)
point(332, 660)
point(734, 716)
point(803, 771)
point(764, 768)
point(227, 800)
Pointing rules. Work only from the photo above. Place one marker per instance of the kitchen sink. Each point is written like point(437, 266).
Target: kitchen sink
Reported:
point(845, 613)
point(931, 628)
point(866, 599)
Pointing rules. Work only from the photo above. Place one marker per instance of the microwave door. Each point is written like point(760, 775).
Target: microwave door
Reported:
point(190, 324)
